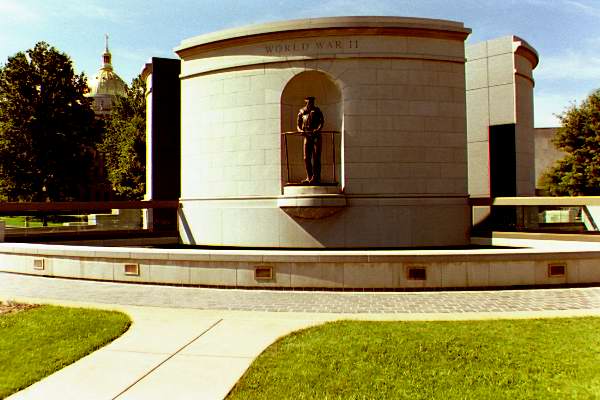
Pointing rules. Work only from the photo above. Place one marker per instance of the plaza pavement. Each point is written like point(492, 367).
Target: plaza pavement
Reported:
point(195, 343)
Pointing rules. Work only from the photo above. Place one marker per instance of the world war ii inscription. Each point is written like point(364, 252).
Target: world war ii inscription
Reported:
point(311, 46)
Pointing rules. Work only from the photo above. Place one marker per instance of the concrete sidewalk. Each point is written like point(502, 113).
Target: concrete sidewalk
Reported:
point(175, 352)
point(167, 354)
point(194, 354)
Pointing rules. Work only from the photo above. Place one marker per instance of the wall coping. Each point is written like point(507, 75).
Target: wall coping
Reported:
point(552, 249)
point(366, 24)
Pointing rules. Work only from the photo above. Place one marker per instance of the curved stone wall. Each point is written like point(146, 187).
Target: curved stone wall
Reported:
point(553, 263)
point(394, 88)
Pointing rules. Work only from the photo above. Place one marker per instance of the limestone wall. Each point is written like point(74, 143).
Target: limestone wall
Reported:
point(313, 269)
point(399, 90)
point(499, 92)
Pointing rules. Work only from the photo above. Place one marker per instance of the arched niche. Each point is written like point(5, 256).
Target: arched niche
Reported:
point(328, 97)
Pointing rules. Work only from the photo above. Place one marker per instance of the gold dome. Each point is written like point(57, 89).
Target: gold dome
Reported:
point(106, 85)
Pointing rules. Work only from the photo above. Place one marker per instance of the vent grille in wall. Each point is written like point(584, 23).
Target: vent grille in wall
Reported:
point(263, 273)
point(132, 269)
point(39, 264)
point(416, 272)
point(556, 270)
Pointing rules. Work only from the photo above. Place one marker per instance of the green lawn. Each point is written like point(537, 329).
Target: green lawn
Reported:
point(500, 359)
point(36, 342)
point(29, 222)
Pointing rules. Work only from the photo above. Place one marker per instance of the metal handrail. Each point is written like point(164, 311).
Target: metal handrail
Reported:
point(11, 207)
point(300, 133)
point(165, 222)
point(536, 201)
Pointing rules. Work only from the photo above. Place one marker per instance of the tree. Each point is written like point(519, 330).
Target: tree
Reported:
point(46, 125)
point(124, 142)
point(578, 173)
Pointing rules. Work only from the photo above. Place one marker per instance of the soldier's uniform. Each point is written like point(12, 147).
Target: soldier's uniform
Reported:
point(310, 123)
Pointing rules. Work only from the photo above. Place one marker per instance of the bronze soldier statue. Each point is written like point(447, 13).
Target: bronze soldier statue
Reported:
point(310, 123)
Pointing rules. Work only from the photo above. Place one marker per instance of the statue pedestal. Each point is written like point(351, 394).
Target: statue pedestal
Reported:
point(311, 201)
point(307, 190)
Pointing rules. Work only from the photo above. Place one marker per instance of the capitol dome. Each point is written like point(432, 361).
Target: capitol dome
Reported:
point(105, 86)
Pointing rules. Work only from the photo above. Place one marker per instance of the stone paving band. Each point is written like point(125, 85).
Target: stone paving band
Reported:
point(14, 285)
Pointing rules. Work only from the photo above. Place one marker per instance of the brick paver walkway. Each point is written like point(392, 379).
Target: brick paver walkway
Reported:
point(14, 286)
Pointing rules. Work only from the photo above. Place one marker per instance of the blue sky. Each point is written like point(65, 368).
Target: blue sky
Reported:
point(566, 33)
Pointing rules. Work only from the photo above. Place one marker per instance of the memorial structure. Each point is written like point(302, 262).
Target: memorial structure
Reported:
point(501, 136)
point(393, 146)
point(399, 111)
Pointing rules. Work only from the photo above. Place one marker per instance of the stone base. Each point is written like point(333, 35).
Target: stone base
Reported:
point(365, 269)
point(302, 190)
point(326, 221)
point(311, 201)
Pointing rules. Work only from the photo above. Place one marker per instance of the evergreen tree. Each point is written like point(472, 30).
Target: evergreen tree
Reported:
point(578, 173)
point(46, 127)
point(124, 142)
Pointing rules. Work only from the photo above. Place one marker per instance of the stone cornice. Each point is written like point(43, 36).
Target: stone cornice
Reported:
point(320, 27)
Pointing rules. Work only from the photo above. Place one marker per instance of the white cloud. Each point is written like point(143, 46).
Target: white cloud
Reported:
point(39, 14)
point(571, 65)
point(577, 6)
point(371, 7)
point(137, 54)
point(545, 108)
point(548, 105)
point(71, 9)
point(19, 12)
point(586, 9)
